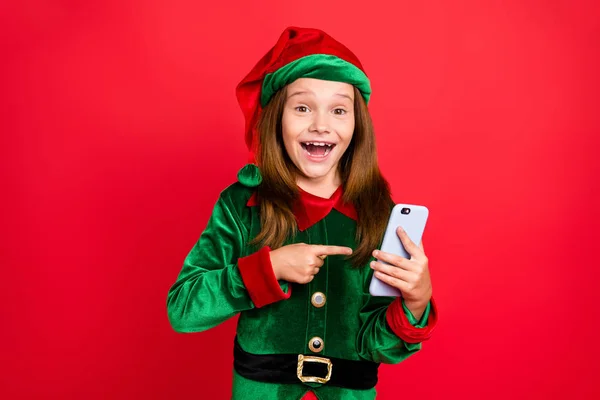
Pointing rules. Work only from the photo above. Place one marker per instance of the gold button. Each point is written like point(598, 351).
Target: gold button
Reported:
point(318, 299)
point(316, 344)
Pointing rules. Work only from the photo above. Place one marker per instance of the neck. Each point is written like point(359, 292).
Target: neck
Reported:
point(321, 187)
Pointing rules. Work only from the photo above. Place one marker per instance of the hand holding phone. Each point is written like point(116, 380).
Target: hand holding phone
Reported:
point(412, 218)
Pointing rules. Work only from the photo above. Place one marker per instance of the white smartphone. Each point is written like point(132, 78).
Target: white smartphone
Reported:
point(412, 218)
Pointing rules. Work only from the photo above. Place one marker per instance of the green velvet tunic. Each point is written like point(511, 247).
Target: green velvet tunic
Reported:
point(352, 323)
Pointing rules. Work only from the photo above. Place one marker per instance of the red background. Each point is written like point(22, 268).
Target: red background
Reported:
point(120, 128)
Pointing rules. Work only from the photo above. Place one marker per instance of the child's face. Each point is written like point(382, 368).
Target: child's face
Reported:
point(318, 124)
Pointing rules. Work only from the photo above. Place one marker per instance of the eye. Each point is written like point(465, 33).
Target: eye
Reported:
point(341, 111)
point(301, 109)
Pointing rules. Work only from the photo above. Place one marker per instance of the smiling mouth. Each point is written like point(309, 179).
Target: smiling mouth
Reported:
point(317, 149)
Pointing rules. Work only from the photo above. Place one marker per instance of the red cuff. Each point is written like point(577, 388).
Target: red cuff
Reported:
point(259, 278)
point(402, 327)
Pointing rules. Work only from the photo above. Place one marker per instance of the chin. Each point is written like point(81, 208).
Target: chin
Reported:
point(315, 171)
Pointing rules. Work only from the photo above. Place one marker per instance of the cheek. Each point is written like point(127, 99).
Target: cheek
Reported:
point(346, 132)
point(286, 131)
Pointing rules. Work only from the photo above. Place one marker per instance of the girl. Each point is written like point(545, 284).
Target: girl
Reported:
point(291, 245)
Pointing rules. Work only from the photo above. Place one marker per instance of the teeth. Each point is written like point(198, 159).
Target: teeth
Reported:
point(319, 144)
point(327, 150)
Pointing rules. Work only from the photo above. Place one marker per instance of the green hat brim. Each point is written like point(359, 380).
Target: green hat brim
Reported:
point(318, 66)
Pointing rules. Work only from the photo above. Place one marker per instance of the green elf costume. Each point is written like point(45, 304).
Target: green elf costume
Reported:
point(325, 338)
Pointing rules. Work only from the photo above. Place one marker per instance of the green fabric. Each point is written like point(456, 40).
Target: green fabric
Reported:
point(352, 324)
point(250, 176)
point(319, 66)
point(411, 318)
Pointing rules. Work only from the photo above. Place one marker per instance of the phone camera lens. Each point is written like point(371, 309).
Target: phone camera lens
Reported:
point(405, 210)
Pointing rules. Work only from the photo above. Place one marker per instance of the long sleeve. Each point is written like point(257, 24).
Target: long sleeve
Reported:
point(376, 340)
point(214, 283)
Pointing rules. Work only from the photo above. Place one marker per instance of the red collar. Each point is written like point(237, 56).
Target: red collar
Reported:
point(310, 209)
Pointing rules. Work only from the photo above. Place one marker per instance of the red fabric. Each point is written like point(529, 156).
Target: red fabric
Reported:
point(398, 322)
point(259, 278)
point(294, 43)
point(310, 395)
point(310, 209)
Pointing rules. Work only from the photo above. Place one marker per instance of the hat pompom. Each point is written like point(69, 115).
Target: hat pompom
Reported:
point(250, 175)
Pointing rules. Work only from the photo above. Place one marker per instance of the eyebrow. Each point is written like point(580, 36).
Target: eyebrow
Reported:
point(345, 95)
point(313, 93)
point(299, 92)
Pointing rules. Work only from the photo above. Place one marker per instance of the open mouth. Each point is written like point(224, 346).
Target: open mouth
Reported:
point(317, 149)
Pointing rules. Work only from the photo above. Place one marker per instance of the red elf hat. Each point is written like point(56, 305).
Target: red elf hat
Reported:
point(299, 52)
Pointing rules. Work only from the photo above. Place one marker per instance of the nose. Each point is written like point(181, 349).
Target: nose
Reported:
point(319, 123)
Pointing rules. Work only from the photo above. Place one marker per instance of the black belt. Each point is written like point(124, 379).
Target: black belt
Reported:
point(295, 368)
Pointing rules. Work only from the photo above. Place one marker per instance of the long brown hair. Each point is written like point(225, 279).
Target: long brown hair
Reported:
point(364, 186)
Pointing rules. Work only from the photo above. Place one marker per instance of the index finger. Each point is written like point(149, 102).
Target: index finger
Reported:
point(323, 250)
point(409, 245)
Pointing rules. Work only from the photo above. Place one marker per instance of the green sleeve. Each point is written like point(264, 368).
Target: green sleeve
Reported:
point(376, 341)
point(411, 318)
point(209, 289)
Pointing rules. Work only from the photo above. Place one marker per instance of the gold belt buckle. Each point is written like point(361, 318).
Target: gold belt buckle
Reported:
point(322, 360)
